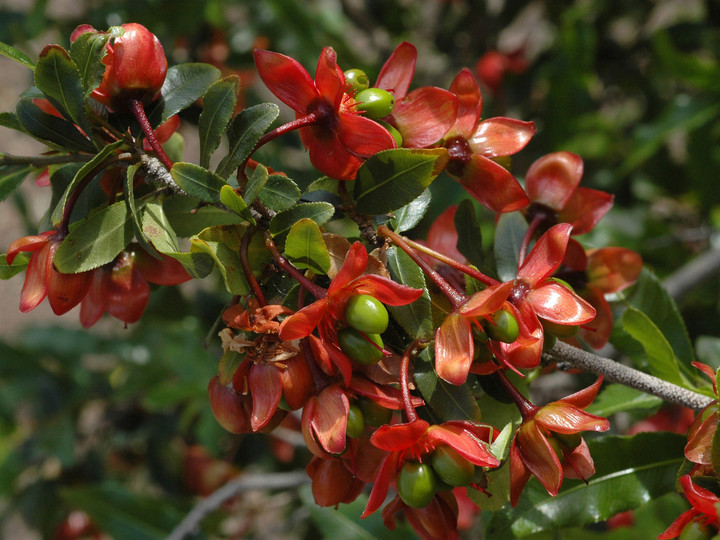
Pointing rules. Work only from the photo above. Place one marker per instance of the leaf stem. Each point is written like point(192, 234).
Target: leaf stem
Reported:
point(245, 262)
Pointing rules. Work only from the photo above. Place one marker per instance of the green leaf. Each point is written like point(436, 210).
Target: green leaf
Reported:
point(96, 240)
point(223, 245)
point(132, 208)
point(244, 132)
point(415, 318)
point(447, 401)
point(11, 176)
point(319, 212)
point(279, 193)
point(230, 198)
point(408, 216)
point(184, 85)
point(122, 514)
point(19, 264)
point(11, 121)
point(188, 217)
point(662, 361)
point(305, 247)
point(509, 233)
point(198, 181)
point(256, 183)
point(629, 472)
point(80, 176)
point(56, 132)
point(88, 51)
point(156, 228)
point(393, 178)
point(469, 234)
point(218, 107)
point(58, 78)
point(615, 398)
point(17, 55)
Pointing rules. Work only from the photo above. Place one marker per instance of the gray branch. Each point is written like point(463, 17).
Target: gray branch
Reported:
point(159, 173)
point(620, 373)
point(692, 274)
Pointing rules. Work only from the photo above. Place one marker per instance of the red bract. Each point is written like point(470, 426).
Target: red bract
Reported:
point(704, 509)
point(423, 115)
point(552, 184)
point(135, 66)
point(327, 313)
point(699, 447)
point(416, 439)
point(534, 295)
point(532, 452)
point(340, 139)
point(64, 291)
point(439, 519)
point(122, 288)
point(593, 275)
point(474, 146)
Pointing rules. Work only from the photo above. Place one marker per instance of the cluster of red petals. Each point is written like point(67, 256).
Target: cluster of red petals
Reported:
point(700, 436)
point(602, 271)
point(704, 509)
point(122, 288)
point(473, 145)
point(327, 313)
point(416, 439)
point(422, 116)
point(439, 519)
point(532, 454)
point(553, 185)
point(64, 291)
point(340, 139)
point(135, 66)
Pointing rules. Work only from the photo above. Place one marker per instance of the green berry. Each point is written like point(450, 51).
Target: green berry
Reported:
point(374, 413)
point(559, 330)
point(356, 346)
point(366, 314)
point(503, 326)
point(375, 102)
point(451, 467)
point(357, 80)
point(394, 132)
point(416, 484)
point(356, 422)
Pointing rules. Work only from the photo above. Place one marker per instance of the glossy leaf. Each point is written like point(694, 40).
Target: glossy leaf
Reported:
point(223, 245)
point(256, 182)
point(469, 235)
point(11, 121)
point(87, 51)
point(184, 85)
point(17, 55)
point(53, 131)
point(9, 270)
point(615, 398)
point(59, 79)
point(416, 317)
point(408, 216)
point(305, 248)
point(132, 208)
point(509, 234)
point(122, 514)
point(244, 132)
point(447, 401)
point(96, 240)
point(279, 193)
point(11, 176)
point(629, 472)
point(230, 198)
point(393, 178)
point(101, 156)
point(218, 107)
point(157, 229)
point(188, 217)
point(319, 212)
point(198, 181)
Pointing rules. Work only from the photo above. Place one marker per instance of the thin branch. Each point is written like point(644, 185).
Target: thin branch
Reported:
point(620, 373)
point(248, 482)
point(42, 161)
point(692, 274)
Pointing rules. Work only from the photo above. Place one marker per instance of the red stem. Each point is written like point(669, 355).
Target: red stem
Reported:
point(138, 111)
point(249, 276)
point(456, 298)
point(405, 380)
point(528, 236)
point(317, 291)
point(527, 409)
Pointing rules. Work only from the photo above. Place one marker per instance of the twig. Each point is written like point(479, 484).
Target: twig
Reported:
point(42, 161)
point(692, 274)
point(241, 484)
point(159, 173)
point(620, 373)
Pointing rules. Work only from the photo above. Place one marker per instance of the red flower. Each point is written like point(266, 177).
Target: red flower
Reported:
point(702, 431)
point(326, 313)
point(552, 184)
point(474, 147)
point(439, 519)
point(64, 291)
point(423, 115)
point(493, 65)
point(704, 509)
point(122, 288)
point(533, 449)
point(595, 274)
point(340, 139)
